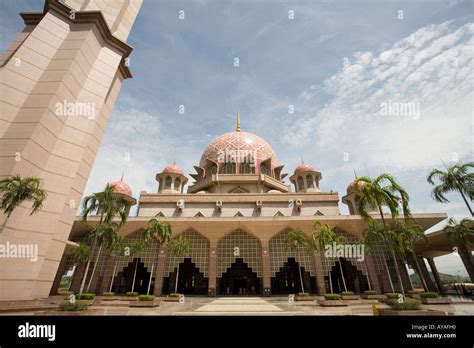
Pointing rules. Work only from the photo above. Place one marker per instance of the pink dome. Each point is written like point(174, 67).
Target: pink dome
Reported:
point(173, 168)
point(121, 187)
point(303, 167)
point(239, 144)
point(350, 188)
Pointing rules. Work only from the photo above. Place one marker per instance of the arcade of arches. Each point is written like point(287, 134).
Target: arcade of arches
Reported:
point(239, 263)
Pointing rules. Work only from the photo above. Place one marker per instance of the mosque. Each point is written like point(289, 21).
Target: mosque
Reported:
point(236, 215)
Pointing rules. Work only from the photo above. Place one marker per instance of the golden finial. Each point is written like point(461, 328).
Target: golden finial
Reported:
point(355, 174)
point(121, 179)
point(174, 162)
point(302, 160)
point(237, 129)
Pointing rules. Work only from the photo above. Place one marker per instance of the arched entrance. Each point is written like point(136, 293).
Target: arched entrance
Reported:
point(193, 278)
point(344, 273)
point(133, 277)
point(239, 279)
point(239, 264)
point(190, 280)
point(290, 271)
point(288, 280)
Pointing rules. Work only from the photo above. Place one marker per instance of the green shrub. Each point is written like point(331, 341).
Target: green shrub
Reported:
point(67, 306)
point(332, 297)
point(108, 293)
point(65, 293)
point(429, 295)
point(370, 292)
point(132, 293)
point(407, 305)
point(303, 294)
point(347, 293)
point(146, 297)
point(174, 294)
point(86, 296)
point(392, 295)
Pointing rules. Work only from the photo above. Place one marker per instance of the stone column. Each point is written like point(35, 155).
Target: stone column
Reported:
point(77, 278)
point(434, 270)
point(318, 266)
point(468, 262)
point(108, 273)
point(425, 274)
point(404, 275)
point(374, 279)
point(212, 269)
point(267, 287)
point(59, 276)
point(160, 271)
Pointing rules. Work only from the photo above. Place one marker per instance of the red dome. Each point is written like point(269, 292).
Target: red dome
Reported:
point(122, 187)
point(350, 188)
point(173, 168)
point(303, 167)
point(239, 144)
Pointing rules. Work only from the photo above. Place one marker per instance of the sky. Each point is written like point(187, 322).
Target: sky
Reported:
point(376, 86)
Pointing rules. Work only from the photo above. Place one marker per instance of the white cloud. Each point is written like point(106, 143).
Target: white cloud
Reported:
point(431, 69)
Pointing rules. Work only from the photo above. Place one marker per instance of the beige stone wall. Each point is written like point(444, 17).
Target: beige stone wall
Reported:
point(59, 60)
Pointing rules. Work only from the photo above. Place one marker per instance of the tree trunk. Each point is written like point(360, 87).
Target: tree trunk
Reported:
point(113, 274)
point(176, 282)
point(95, 267)
point(467, 261)
point(368, 278)
point(83, 283)
point(342, 275)
point(330, 282)
point(465, 200)
point(134, 276)
point(301, 278)
point(151, 276)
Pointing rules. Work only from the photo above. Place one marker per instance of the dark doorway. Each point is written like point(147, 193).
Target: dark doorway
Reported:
point(124, 283)
point(239, 280)
point(287, 280)
point(354, 279)
point(190, 280)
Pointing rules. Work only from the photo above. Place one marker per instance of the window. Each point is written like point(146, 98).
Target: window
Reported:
point(160, 184)
point(300, 183)
point(228, 168)
point(177, 184)
point(309, 181)
point(214, 170)
point(168, 182)
point(247, 166)
point(264, 170)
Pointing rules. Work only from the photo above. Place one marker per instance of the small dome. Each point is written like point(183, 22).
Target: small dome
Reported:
point(173, 168)
point(350, 188)
point(303, 167)
point(122, 187)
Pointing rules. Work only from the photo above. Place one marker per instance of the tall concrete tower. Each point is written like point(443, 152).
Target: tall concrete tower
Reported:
point(58, 84)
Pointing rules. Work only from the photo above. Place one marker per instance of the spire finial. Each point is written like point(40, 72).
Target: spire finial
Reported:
point(174, 162)
point(237, 128)
point(355, 174)
point(121, 179)
point(302, 160)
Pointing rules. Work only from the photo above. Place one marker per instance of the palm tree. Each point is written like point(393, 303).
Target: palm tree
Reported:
point(296, 239)
point(373, 193)
point(161, 232)
point(321, 237)
point(80, 255)
point(456, 178)
point(14, 190)
point(179, 247)
point(459, 234)
point(107, 206)
point(402, 238)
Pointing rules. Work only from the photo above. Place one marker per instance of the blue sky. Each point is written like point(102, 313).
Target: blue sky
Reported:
point(336, 62)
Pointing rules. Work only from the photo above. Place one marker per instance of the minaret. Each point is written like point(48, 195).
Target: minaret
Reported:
point(60, 80)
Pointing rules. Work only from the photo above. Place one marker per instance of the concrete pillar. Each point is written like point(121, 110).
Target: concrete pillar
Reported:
point(77, 278)
point(436, 274)
point(425, 274)
point(160, 271)
point(107, 276)
point(468, 262)
point(318, 266)
point(267, 287)
point(59, 276)
point(404, 275)
point(212, 269)
point(374, 279)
